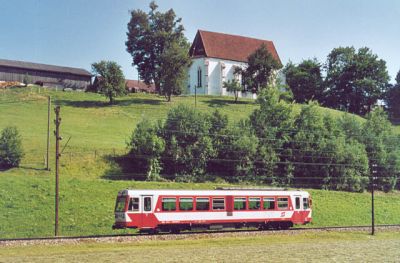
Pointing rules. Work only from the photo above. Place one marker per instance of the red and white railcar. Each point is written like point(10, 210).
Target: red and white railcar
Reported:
point(175, 210)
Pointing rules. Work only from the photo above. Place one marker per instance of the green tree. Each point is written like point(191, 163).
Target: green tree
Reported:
point(354, 80)
point(305, 80)
point(271, 124)
point(146, 148)
point(111, 82)
point(233, 86)
point(392, 99)
point(188, 146)
point(218, 134)
point(322, 156)
point(236, 154)
point(173, 71)
point(11, 151)
point(383, 149)
point(261, 69)
point(155, 42)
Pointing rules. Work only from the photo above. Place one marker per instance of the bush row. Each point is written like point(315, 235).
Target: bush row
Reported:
point(276, 145)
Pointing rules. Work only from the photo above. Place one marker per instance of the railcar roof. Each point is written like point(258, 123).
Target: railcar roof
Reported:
point(212, 192)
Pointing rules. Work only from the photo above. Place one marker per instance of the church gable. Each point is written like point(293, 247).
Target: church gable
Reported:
point(197, 49)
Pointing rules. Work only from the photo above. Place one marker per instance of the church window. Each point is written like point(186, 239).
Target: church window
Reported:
point(199, 77)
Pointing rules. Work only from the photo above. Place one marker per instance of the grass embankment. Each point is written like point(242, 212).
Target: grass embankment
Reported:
point(86, 194)
point(304, 247)
point(91, 123)
point(86, 205)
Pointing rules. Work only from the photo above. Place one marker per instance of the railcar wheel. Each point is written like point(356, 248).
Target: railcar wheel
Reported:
point(154, 231)
point(175, 230)
point(285, 225)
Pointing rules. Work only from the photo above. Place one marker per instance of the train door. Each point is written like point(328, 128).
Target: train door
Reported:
point(297, 203)
point(297, 207)
point(146, 210)
point(229, 205)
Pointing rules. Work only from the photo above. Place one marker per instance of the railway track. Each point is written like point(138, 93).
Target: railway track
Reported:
point(182, 235)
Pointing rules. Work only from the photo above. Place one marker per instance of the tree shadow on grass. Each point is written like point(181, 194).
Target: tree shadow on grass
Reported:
point(123, 168)
point(4, 169)
point(103, 104)
point(219, 103)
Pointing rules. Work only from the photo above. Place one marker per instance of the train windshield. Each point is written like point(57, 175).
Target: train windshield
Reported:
point(120, 205)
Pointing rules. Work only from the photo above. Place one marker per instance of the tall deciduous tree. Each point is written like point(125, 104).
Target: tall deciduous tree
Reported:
point(355, 80)
point(173, 71)
point(392, 98)
point(305, 80)
point(155, 41)
point(111, 81)
point(260, 70)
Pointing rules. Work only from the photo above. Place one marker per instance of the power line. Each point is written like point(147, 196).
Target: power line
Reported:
point(148, 157)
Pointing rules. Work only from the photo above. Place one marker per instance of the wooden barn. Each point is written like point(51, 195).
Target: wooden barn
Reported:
point(132, 86)
point(135, 86)
point(45, 75)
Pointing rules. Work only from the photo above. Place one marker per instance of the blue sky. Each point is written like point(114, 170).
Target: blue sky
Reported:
point(77, 33)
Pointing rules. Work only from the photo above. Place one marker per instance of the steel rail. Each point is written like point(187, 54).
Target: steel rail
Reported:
point(243, 230)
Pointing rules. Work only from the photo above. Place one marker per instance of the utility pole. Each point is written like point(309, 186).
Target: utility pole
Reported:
point(195, 96)
point(374, 172)
point(57, 122)
point(48, 132)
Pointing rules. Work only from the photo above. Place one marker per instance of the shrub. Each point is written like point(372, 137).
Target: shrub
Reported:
point(11, 151)
point(382, 146)
point(188, 146)
point(146, 149)
point(270, 124)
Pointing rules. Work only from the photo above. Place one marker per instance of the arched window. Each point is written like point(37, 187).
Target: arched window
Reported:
point(199, 77)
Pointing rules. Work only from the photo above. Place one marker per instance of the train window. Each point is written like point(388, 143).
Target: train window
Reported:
point(218, 203)
point(269, 203)
point(120, 205)
point(133, 204)
point(283, 203)
point(202, 204)
point(169, 204)
point(186, 204)
point(305, 203)
point(147, 204)
point(239, 203)
point(254, 203)
point(297, 202)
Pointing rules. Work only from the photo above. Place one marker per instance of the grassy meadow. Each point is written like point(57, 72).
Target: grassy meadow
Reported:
point(94, 130)
point(299, 247)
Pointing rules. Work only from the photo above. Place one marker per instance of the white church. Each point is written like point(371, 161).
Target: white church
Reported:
point(214, 58)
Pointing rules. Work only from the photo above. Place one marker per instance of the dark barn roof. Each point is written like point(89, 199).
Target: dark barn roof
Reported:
point(140, 86)
point(230, 47)
point(44, 67)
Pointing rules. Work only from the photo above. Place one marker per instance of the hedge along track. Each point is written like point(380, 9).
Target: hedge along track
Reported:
point(138, 237)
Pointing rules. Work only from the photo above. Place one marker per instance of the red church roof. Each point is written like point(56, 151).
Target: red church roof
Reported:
point(229, 47)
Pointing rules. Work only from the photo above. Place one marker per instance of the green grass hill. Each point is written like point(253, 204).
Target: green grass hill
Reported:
point(93, 130)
